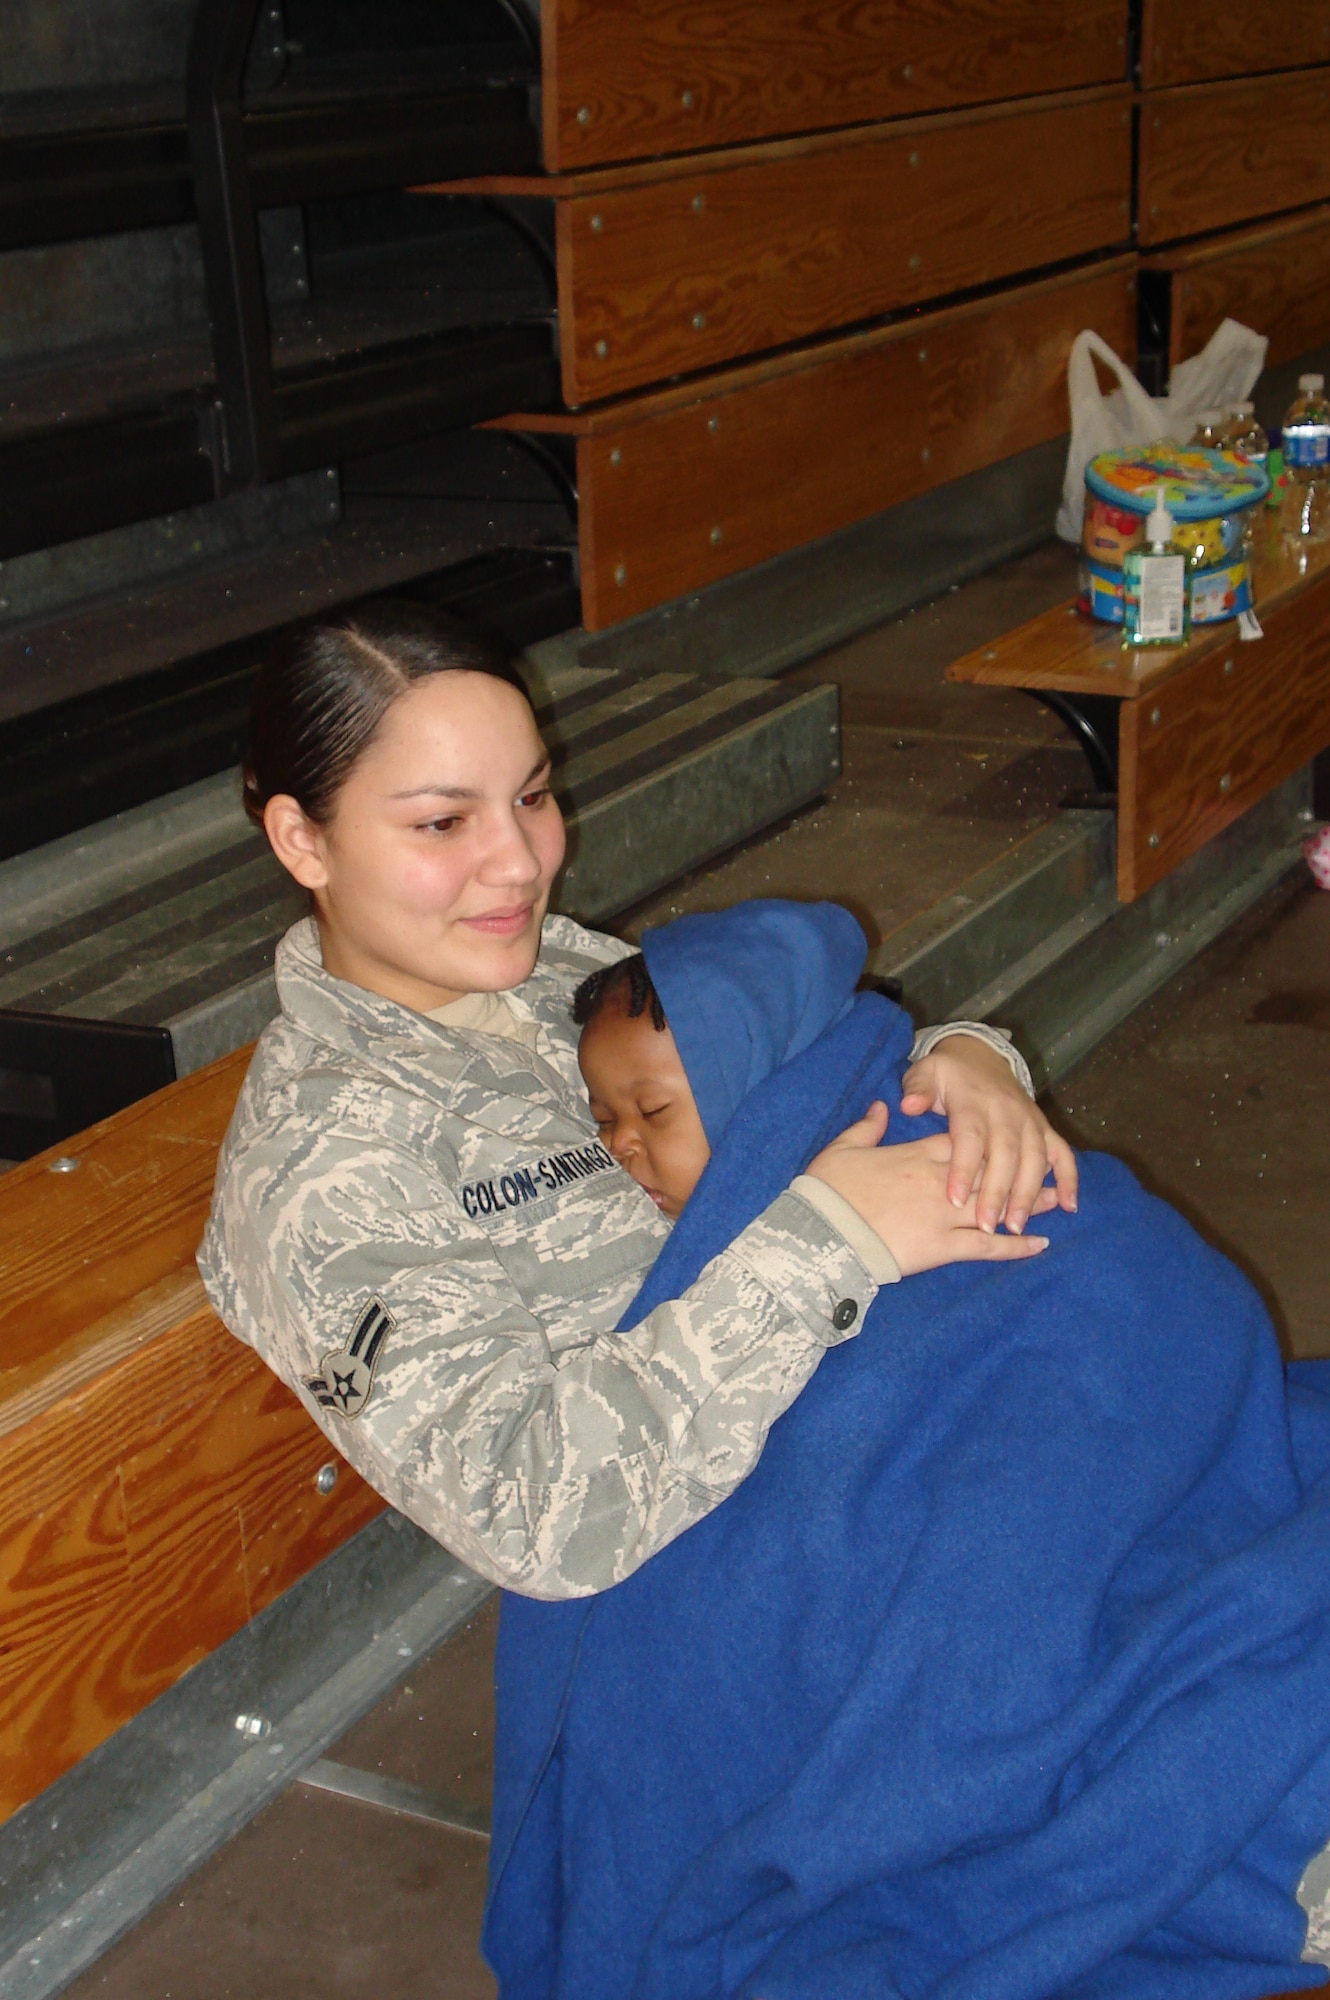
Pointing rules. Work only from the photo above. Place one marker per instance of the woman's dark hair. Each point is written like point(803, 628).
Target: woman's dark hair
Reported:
point(323, 691)
point(627, 977)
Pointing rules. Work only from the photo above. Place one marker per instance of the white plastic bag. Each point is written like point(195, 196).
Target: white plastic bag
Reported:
point(1222, 373)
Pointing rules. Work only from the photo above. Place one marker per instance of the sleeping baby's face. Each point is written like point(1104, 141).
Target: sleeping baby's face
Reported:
point(642, 1104)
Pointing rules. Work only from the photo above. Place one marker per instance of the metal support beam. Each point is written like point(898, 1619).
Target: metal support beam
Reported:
point(228, 225)
point(1093, 721)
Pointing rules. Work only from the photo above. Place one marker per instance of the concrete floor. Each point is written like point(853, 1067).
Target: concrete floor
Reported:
point(939, 779)
point(1216, 1092)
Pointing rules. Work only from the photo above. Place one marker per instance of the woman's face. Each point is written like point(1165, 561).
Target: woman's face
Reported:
point(432, 875)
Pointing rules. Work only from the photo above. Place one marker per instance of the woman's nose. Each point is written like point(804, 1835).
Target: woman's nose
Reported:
point(510, 857)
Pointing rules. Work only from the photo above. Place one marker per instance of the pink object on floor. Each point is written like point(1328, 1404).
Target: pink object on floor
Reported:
point(1316, 853)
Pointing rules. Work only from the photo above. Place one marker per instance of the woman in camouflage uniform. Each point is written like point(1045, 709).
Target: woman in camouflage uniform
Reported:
point(414, 1222)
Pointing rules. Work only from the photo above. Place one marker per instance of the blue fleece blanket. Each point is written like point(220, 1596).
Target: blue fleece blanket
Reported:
point(1005, 1674)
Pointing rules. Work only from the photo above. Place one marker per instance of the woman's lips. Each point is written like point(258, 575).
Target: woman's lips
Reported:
point(501, 923)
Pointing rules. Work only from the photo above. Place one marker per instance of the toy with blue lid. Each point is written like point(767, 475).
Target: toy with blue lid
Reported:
point(1210, 495)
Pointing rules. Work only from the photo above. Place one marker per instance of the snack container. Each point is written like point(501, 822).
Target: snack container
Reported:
point(1210, 495)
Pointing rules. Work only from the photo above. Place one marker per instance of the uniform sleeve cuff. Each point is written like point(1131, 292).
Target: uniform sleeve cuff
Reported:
point(927, 1040)
point(861, 1237)
point(809, 1266)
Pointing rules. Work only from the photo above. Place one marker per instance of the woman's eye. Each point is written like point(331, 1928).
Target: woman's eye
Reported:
point(442, 825)
point(533, 801)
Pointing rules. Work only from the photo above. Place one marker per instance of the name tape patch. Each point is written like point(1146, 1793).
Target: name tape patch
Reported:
point(533, 1183)
point(346, 1376)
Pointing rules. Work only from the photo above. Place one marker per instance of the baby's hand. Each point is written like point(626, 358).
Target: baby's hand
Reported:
point(1004, 1147)
point(901, 1192)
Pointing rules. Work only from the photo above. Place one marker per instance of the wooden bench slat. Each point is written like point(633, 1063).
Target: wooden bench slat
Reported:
point(621, 80)
point(79, 1249)
point(143, 1520)
point(1216, 154)
point(1072, 654)
point(1184, 43)
point(1275, 277)
point(682, 275)
point(699, 491)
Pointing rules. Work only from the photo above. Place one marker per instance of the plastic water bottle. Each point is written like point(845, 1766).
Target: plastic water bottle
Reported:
point(1248, 439)
point(1214, 430)
point(1306, 444)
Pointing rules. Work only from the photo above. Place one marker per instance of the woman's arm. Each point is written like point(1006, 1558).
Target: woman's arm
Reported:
point(548, 1451)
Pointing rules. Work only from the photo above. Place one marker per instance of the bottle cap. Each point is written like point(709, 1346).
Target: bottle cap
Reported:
point(1159, 524)
point(1311, 382)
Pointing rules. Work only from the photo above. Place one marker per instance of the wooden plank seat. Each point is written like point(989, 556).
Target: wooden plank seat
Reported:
point(1213, 155)
point(1275, 276)
point(157, 1482)
point(1184, 43)
point(626, 78)
point(675, 266)
point(683, 486)
point(1205, 730)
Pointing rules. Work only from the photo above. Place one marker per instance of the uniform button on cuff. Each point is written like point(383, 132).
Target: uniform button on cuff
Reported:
point(846, 1313)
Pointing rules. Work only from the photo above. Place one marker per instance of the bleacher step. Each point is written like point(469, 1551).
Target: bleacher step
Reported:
point(169, 915)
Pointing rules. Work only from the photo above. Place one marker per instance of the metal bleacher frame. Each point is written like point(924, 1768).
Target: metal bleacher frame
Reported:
point(219, 168)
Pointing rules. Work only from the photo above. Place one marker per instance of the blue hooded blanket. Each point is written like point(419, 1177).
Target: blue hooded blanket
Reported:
point(1006, 1673)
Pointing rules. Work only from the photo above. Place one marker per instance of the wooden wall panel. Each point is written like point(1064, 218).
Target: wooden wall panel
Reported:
point(674, 276)
point(1275, 278)
point(627, 78)
point(691, 494)
point(1184, 43)
point(1218, 735)
point(1217, 154)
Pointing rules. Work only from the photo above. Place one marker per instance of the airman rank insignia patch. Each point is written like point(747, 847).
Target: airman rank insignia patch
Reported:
point(346, 1376)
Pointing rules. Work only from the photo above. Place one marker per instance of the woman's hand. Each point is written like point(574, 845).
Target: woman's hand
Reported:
point(901, 1192)
point(1003, 1147)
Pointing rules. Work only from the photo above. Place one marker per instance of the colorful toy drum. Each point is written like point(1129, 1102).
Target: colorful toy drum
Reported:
point(1208, 493)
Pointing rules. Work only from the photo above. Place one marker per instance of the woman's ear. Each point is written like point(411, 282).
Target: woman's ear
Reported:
point(296, 840)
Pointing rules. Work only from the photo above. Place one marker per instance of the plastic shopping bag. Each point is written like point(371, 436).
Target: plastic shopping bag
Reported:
point(1222, 373)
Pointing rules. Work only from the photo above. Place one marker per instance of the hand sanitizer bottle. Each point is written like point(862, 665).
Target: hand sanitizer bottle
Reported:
point(1155, 594)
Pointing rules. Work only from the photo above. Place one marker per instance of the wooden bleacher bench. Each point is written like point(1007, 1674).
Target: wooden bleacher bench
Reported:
point(1183, 43)
point(685, 485)
point(1213, 155)
point(622, 78)
point(1204, 731)
point(1285, 265)
point(671, 266)
point(157, 1482)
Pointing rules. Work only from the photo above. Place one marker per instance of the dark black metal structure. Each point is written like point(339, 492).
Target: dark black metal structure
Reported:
point(342, 112)
point(59, 1075)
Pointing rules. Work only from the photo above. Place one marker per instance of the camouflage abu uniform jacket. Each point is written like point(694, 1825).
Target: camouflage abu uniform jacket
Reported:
point(419, 1231)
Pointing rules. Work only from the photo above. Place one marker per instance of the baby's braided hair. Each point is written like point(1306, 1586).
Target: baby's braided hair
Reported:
point(627, 977)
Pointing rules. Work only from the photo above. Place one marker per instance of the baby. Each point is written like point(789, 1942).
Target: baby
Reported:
point(647, 1115)
point(641, 1098)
